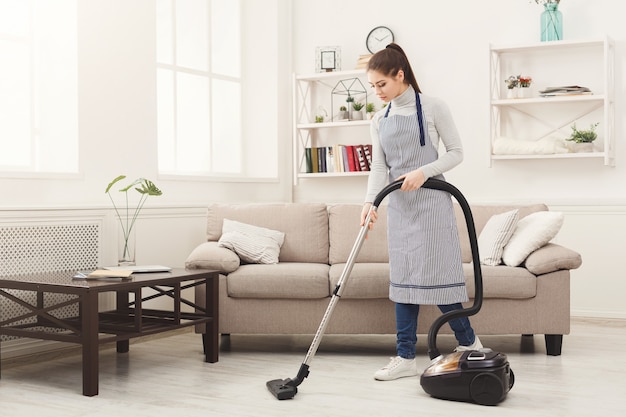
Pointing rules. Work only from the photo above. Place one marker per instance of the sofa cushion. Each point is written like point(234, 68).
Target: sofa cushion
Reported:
point(305, 226)
point(209, 255)
point(552, 257)
point(290, 280)
point(531, 233)
point(502, 282)
point(367, 280)
point(253, 244)
point(343, 220)
point(371, 280)
point(495, 235)
point(481, 214)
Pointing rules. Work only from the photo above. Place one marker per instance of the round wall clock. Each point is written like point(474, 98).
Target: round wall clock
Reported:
point(378, 39)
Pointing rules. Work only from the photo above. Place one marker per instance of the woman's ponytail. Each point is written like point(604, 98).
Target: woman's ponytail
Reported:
point(390, 60)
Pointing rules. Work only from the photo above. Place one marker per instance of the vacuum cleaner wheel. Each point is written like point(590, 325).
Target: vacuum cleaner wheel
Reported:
point(486, 389)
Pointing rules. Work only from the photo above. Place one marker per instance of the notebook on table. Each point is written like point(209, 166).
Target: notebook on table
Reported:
point(139, 268)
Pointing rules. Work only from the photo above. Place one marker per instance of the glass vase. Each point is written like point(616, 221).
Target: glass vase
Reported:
point(126, 247)
point(551, 23)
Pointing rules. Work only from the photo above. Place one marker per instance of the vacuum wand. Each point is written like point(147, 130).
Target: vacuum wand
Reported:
point(284, 389)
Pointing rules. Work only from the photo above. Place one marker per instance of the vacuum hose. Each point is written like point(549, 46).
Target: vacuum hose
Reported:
point(441, 185)
point(287, 388)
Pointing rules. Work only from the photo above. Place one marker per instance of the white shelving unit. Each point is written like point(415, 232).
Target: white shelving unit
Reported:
point(309, 93)
point(587, 63)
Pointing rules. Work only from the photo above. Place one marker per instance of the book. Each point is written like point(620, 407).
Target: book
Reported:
point(338, 158)
point(314, 162)
point(350, 157)
point(104, 273)
point(330, 159)
point(344, 155)
point(361, 63)
point(355, 158)
point(309, 160)
point(564, 91)
point(321, 159)
point(368, 154)
point(361, 158)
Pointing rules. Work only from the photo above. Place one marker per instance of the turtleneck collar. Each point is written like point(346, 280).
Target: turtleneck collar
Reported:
point(407, 98)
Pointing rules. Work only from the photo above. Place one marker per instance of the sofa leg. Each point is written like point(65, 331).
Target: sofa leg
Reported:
point(225, 341)
point(554, 342)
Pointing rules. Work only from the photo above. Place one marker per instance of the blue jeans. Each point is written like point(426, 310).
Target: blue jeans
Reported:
point(406, 328)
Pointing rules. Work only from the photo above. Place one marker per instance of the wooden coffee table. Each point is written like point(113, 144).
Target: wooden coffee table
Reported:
point(129, 319)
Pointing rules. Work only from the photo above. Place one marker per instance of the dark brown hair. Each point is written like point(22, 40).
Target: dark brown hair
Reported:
point(390, 60)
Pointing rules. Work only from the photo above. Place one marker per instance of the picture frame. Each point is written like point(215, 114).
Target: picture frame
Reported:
point(327, 59)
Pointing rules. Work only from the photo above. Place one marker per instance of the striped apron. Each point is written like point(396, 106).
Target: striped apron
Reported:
point(424, 249)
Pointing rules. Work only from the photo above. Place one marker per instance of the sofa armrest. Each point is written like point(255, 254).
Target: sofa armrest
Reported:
point(552, 257)
point(209, 255)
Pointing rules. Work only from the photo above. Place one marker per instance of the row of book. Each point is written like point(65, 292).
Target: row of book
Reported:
point(338, 158)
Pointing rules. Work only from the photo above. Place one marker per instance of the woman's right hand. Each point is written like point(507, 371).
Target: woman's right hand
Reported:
point(373, 217)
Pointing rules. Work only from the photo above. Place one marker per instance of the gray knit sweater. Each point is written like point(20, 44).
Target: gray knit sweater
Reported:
point(440, 125)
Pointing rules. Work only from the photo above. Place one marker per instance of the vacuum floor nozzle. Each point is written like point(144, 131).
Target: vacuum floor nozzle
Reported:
point(282, 388)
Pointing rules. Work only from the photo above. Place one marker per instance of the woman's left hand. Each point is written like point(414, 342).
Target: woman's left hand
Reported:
point(412, 180)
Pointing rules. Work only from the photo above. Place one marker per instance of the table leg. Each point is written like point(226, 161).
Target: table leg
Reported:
point(89, 337)
point(210, 337)
point(122, 298)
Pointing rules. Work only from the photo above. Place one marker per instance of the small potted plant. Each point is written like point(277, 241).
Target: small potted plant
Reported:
point(370, 109)
point(524, 84)
point(357, 114)
point(349, 100)
point(511, 83)
point(582, 140)
point(321, 115)
point(343, 113)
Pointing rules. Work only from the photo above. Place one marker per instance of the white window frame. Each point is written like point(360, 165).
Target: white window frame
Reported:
point(43, 143)
point(173, 143)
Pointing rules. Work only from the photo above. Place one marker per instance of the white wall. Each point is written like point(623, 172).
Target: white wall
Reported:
point(447, 43)
point(448, 46)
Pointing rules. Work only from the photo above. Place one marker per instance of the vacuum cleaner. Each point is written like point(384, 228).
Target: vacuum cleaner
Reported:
point(481, 376)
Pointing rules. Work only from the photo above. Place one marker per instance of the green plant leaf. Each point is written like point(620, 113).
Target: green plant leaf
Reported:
point(148, 187)
point(131, 185)
point(583, 136)
point(121, 177)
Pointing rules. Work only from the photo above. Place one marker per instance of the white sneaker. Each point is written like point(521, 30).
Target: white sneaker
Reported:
point(397, 368)
point(474, 346)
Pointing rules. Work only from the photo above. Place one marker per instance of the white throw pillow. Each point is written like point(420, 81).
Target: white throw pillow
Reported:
point(253, 244)
point(495, 235)
point(531, 233)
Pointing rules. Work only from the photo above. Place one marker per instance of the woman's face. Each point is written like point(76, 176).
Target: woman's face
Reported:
point(387, 87)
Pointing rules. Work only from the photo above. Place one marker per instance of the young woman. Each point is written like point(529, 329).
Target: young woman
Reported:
point(424, 248)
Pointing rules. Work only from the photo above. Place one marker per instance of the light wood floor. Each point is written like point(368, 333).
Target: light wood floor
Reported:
point(167, 377)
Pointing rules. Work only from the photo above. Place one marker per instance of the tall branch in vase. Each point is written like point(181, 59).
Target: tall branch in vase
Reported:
point(127, 220)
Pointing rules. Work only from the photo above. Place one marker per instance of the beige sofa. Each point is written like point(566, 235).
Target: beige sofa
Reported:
point(290, 297)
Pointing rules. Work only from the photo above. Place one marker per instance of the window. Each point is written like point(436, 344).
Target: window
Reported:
point(38, 87)
point(199, 87)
